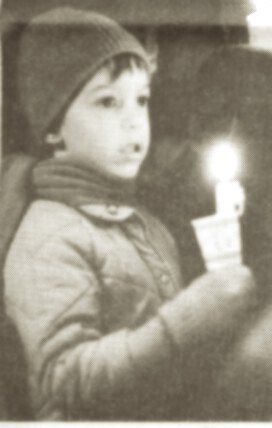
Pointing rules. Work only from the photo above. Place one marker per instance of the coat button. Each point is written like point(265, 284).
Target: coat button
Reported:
point(112, 209)
point(164, 279)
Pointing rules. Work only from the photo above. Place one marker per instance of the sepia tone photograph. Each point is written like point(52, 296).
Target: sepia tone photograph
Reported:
point(136, 211)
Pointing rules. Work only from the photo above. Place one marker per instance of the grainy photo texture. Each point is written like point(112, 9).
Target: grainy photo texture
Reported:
point(135, 210)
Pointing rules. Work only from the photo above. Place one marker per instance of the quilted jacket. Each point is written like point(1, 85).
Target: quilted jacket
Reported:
point(108, 328)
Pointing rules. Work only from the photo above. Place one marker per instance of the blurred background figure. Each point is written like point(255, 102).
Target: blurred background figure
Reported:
point(233, 103)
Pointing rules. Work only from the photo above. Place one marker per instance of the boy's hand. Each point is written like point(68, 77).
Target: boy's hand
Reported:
point(214, 309)
point(205, 322)
point(231, 289)
point(224, 297)
point(236, 282)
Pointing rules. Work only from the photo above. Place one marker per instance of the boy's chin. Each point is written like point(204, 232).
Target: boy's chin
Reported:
point(126, 173)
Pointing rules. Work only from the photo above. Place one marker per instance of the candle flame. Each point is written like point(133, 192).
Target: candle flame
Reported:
point(224, 162)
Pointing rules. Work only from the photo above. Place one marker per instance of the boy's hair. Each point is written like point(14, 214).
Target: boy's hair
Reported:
point(59, 51)
point(119, 63)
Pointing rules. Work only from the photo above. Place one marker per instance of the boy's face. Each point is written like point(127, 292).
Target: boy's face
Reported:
point(107, 125)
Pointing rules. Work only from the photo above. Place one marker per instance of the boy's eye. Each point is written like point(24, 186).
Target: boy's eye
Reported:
point(143, 100)
point(107, 102)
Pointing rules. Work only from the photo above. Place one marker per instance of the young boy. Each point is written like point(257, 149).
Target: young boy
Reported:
point(92, 281)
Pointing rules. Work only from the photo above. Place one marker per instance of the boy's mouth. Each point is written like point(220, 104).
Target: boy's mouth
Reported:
point(137, 148)
point(132, 149)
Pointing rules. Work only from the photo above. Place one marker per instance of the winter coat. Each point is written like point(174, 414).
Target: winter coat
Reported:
point(75, 283)
point(90, 292)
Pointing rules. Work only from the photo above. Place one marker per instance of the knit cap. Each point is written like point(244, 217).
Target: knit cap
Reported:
point(59, 51)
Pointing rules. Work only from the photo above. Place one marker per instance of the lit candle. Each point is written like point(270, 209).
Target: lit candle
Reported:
point(224, 166)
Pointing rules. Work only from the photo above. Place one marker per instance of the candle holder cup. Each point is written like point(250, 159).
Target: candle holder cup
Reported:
point(220, 241)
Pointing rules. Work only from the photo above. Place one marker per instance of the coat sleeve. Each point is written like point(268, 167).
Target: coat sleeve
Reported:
point(75, 369)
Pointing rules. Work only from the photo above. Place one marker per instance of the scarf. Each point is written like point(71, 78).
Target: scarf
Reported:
point(68, 181)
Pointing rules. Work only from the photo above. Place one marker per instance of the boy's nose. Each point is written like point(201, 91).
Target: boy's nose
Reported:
point(131, 119)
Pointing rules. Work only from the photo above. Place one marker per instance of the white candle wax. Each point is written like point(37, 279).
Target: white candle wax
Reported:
point(224, 165)
point(230, 198)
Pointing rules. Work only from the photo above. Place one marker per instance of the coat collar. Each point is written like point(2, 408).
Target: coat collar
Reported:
point(111, 213)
